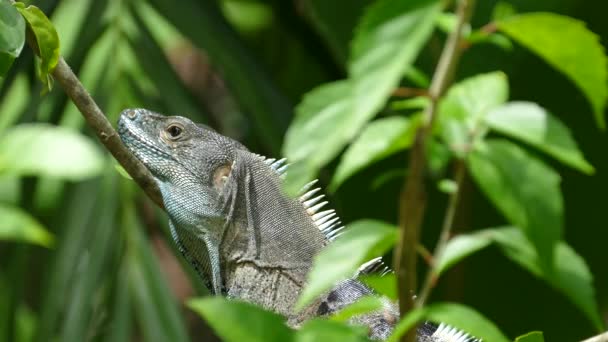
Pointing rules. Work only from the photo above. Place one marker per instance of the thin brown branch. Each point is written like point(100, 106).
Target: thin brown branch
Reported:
point(96, 119)
point(413, 196)
point(410, 92)
point(444, 236)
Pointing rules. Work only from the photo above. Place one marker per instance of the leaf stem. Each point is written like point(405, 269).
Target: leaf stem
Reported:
point(413, 196)
point(444, 236)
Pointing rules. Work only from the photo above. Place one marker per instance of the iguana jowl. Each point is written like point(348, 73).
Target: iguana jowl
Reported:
point(232, 222)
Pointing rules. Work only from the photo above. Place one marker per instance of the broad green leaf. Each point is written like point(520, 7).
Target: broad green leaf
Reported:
point(41, 149)
point(322, 126)
point(390, 35)
point(570, 273)
point(459, 316)
point(236, 321)
point(532, 124)
point(46, 38)
point(379, 139)
point(524, 189)
point(382, 284)
point(465, 319)
point(386, 43)
point(466, 104)
point(361, 306)
point(459, 247)
point(17, 225)
point(583, 61)
point(12, 35)
point(362, 241)
point(324, 330)
point(534, 336)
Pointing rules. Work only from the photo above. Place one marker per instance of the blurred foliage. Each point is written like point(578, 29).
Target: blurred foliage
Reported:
point(86, 257)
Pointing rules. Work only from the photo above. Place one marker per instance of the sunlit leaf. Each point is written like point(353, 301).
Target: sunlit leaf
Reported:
point(41, 149)
point(466, 319)
point(12, 35)
point(47, 40)
point(466, 104)
point(17, 225)
point(460, 247)
point(459, 316)
point(235, 321)
point(362, 241)
point(382, 284)
point(323, 116)
point(361, 306)
point(583, 62)
point(323, 330)
point(534, 125)
point(535, 336)
point(524, 189)
point(379, 139)
point(387, 41)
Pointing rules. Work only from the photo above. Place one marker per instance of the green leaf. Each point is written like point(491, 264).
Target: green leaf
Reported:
point(362, 241)
point(466, 104)
point(361, 306)
point(570, 273)
point(388, 39)
point(534, 336)
point(238, 321)
point(383, 284)
point(41, 149)
point(459, 247)
point(379, 139)
point(532, 124)
point(583, 62)
point(17, 225)
point(12, 35)
point(313, 135)
point(456, 315)
point(386, 43)
point(46, 38)
point(465, 319)
point(524, 189)
point(323, 330)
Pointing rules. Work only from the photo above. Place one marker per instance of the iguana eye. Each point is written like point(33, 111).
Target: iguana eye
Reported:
point(174, 131)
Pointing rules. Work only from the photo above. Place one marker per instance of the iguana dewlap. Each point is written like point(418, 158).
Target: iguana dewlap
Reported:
point(233, 223)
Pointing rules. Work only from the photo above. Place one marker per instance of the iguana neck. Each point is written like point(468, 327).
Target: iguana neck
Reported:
point(270, 240)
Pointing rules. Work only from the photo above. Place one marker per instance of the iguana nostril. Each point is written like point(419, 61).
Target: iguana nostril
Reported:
point(132, 114)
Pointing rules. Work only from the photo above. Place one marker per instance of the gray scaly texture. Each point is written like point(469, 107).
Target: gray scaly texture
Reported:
point(232, 222)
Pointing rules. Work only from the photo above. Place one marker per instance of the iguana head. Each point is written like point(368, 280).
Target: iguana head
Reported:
point(175, 149)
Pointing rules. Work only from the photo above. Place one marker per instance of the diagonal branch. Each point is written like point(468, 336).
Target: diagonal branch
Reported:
point(96, 119)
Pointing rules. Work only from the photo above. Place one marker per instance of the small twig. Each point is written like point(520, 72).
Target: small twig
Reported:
point(96, 119)
point(413, 196)
point(410, 92)
point(444, 236)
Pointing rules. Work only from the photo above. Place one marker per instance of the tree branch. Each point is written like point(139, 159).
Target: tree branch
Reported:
point(96, 119)
point(413, 196)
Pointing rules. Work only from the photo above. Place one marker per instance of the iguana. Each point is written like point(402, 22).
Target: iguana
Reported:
point(231, 220)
